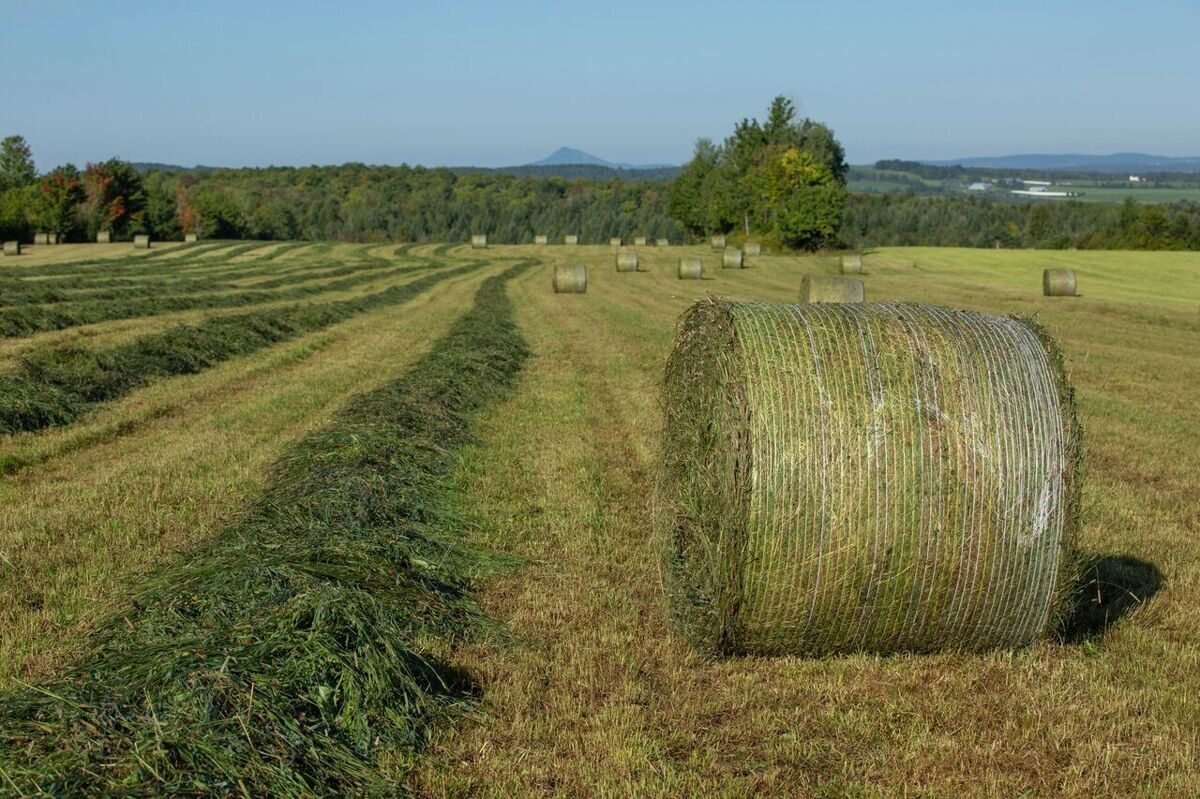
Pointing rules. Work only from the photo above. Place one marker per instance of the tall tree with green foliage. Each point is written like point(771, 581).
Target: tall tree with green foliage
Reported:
point(17, 169)
point(114, 198)
point(60, 194)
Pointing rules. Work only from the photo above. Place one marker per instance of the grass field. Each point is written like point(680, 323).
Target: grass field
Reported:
point(586, 691)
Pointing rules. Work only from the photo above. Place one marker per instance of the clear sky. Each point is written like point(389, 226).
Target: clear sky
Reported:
point(499, 83)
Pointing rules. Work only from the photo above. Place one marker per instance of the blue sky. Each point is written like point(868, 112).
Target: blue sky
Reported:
point(299, 82)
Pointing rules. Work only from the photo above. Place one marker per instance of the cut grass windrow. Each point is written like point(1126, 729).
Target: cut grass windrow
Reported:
point(54, 386)
point(301, 649)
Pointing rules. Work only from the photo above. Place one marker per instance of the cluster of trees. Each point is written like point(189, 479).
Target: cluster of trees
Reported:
point(873, 220)
point(781, 179)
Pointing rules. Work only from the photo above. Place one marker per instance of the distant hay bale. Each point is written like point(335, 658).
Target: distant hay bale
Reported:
point(691, 268)
point(614, 242)
point(1058, 282)
point(104, 237)
point(731, 258)
point(141, 241)
point(639, 241)
point(830, 288)
point(570, 279)
point(571, 239)
point(12, 248)
point(717, 242)
point(627, 261)
point(852, 264)
point(191, 238)
point(478, 241)
point(878, 478)
point(662, 242)
point(752, 248)
point(41, 238)
point(52, 238)
point(541, 239)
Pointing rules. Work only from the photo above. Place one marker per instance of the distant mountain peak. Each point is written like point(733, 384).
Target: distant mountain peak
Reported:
point(570, 156)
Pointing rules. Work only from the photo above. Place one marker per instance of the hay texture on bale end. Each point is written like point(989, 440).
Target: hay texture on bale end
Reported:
point(662, 242)
point(570, 240)
point(541, 239)
point(717, 242)
point(570, 279)
point(732, 258)
point(826, 288)
point(752, 248)
point(141, 241)
point(104, 237)
point(865, 478)
point(852, 264)
point(479, 241)
point(191, 238)
point(12, 248)
point(639, 241)
point(691, 268)
point(627, 261)
point(1058, 282)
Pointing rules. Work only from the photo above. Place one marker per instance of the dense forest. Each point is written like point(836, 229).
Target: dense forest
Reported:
point(781, 180)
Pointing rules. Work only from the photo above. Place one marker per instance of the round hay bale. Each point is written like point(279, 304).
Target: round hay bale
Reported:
point(12, 248)
point(1058, 282)
point(879, 478)
point(478, 241)
point(752, 248)
point(627, 261)
point(104, 237)
point(570, 279)
point(571, 239)
point(732, 258)
point(41, 238)
point(852, 265)
point(691, 268)
point(541, 239)
point(827, 288)
point(717, 242)
point(141, 241)
point(191, 238)
point(614, 242)
point(662, 242)
point(52, 238)
point(639, 241)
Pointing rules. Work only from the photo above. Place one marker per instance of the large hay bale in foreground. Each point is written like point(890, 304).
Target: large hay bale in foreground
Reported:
point(1058, 282)
point(104, 237)
point(691, 268)
point(570, 279)
point(479, 241)
point(732, 258)
point(827, 288)
point(852, 265)
point(614, 242)
point(12, 248)
point(752, 248)
point(717, 242)
point(639, 241)
point(141, 241)
point(878, 478)
point(191, 238)
point(627, 262)
point(541, 239)
point(571, 239)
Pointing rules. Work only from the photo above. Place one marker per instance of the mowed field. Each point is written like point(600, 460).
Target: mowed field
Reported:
point(587, 692)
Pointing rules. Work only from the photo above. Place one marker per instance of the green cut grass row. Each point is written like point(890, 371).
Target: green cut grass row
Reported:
point(56, 385)
point(301, 650)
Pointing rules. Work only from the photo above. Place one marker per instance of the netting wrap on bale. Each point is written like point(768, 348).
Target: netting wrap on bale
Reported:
point(627, 262)
point(829, 288)
point(691, 268)
point(570, 279)
point(882, 478)
point(1058, 282)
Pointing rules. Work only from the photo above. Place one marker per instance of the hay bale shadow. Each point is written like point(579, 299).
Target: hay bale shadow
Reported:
point(1110, 587)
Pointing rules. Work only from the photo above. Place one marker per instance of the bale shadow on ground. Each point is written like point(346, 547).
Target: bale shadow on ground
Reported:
point(1109, 588)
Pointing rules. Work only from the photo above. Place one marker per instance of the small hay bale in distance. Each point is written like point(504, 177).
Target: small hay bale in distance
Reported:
point(191, 238)
point(104, 237)
point(865, 478)
point(541, 239)
point(52, 238)
point(479, 241)
point(831, 288)
point(627, 261)
point(691, 268)
point(662, 242)
point(639, 241)
point(752, 248)
point(570, 279)
point(41, 238)
point(852, 264)
point(141, 241)
point(1058, 282)
point(717, 242)
point(12, 248)
point(571, 239)
point(614, 242)
point(732, 258)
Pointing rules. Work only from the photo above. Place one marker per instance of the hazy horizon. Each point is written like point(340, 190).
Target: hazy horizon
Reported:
point(272, 83)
